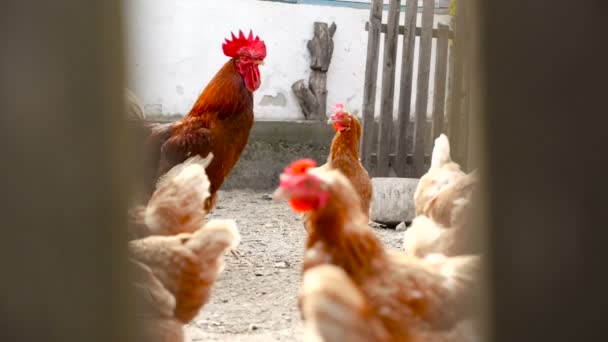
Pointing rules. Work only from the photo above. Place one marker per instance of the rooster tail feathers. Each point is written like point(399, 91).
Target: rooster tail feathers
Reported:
point(215, 238)
point(441, 151)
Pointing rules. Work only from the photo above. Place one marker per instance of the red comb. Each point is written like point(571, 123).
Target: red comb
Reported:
point(233, 47)
point(338, 107)
point(299, 167)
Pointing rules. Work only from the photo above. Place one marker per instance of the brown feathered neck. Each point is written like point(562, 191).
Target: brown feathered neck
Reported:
point(225, 94)
point(342, 229)
point(346, 142)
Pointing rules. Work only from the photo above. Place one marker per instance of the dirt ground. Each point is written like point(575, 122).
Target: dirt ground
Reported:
point(255, 298)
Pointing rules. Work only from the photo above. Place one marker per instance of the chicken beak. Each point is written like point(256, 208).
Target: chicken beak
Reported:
point(260, 62)
point(280, 195)
point(330, 121)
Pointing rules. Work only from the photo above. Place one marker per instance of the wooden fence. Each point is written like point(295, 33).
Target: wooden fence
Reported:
point(404, 146)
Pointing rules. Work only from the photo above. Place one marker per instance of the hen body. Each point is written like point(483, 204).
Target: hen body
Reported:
point(344, 156)
point(353, 287)
point(187, 264)
point(178, 261)
point(442, 173)
point(443, 202)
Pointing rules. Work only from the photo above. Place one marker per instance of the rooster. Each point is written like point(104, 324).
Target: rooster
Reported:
point(219, 122)
point(344, 156)
point(355, 290)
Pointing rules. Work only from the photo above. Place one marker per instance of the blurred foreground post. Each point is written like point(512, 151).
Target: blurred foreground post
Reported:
point(543, 99)
point(63, 250)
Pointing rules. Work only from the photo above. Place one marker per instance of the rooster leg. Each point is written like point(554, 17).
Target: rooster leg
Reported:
point(235, 254)
point(238, 256)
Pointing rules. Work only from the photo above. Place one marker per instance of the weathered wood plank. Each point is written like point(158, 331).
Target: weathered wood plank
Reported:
point(418, 30)
point(369, 88)
point(405, 89)
point(64, 239)
point(462, 143)
point(441, 56)
point(456, 86)
point(388, 89)
point(408, 159)
point(422, 88)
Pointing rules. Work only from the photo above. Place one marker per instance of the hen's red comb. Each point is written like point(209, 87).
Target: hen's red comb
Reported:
point(338, 107)
point(232, 47)
point(299, 167)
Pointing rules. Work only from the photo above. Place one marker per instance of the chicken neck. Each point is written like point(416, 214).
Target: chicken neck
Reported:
point(339, 235)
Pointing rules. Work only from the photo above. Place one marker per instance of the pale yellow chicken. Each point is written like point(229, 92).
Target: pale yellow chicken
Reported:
point(174, 274)
point(187, 264)
point(155, 306)
point(442, 173)
point(443, 202)
point(177, 204)
point(355, 290)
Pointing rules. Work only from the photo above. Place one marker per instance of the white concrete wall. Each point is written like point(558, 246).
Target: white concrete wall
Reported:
point(174, 49)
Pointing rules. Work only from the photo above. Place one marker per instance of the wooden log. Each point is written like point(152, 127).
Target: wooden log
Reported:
point(321, 46)
point(313, 97)
point(318, 87)
point(440, 80)
point(424, 68)
point(369, 88)
point(405, 89)
point(306, 99)
point(388, 89)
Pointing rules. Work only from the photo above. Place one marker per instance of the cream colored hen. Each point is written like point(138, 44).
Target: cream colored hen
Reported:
point(442, 173)
point(187, 264)
point(443, 203)
point(177, 204)
point(174, 274)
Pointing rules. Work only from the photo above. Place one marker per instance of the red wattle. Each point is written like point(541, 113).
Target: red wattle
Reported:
point(301, 205)
point(252, 78)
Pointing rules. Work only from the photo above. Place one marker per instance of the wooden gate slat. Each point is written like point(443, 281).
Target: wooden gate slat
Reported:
point(456, 86)
point(405, 89)
point(369, 88)
point(422, 88)
point(441, 55)
point(388, 89)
